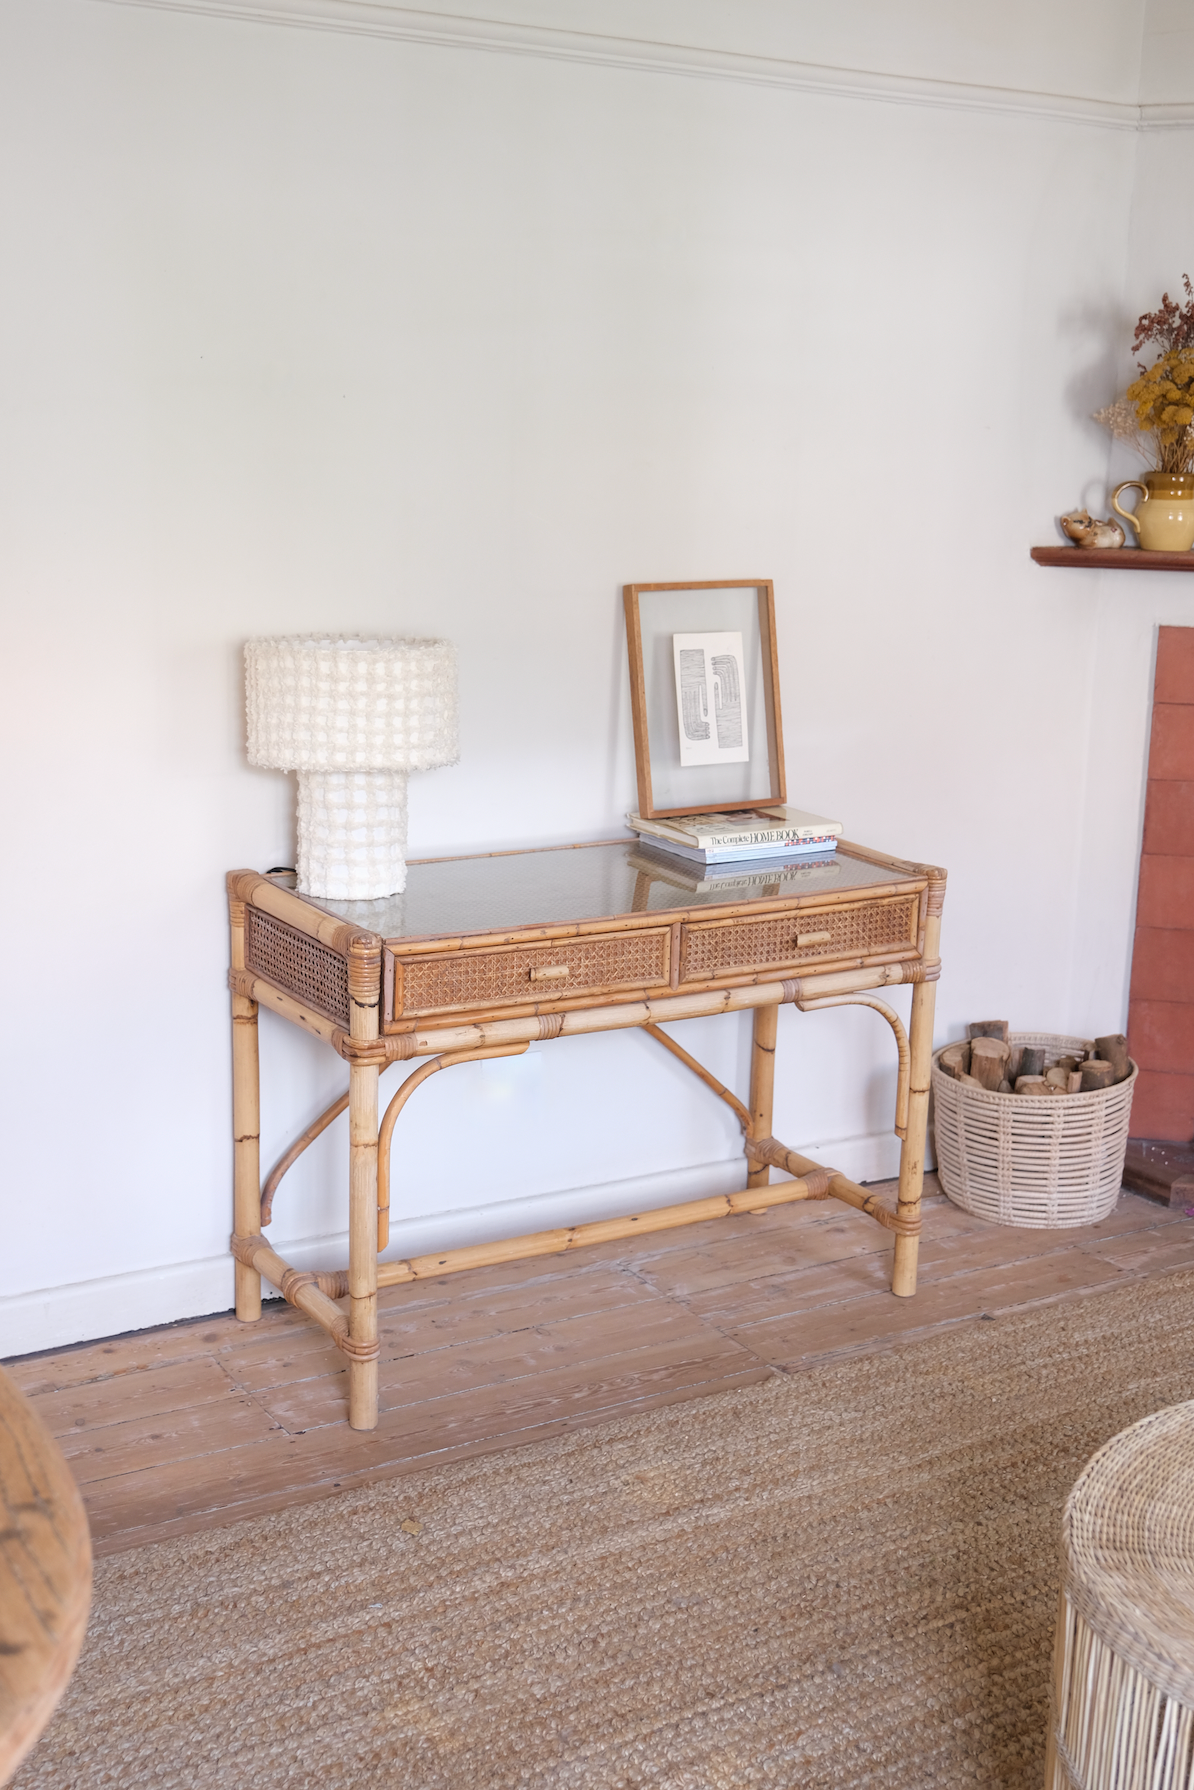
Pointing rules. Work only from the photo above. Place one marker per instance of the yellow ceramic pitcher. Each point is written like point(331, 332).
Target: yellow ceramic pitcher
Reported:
point(1164, 518)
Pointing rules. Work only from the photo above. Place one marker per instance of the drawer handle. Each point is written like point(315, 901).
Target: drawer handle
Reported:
point(553, 972)
point(813, 938)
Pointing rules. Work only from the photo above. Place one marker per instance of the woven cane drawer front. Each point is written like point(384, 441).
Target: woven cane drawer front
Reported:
point(873, 928)
point(301, 965)
point(530, 973)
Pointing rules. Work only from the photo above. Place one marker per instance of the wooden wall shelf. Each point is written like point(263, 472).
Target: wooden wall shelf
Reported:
point(1116, 559)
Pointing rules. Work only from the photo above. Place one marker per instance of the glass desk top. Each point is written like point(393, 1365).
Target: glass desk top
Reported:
point(554, 886)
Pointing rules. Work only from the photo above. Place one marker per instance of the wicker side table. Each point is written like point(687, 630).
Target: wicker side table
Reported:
point(1123, 1669)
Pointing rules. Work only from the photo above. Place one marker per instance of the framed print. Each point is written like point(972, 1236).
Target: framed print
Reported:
point(704, 696)
point(709, 698)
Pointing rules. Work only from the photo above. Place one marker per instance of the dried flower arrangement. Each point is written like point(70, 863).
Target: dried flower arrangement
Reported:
point(1156, 413)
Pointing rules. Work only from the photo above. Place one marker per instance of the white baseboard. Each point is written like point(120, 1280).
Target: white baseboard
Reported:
point(83, 1311)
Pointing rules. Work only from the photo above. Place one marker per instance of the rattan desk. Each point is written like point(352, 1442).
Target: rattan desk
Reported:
point(483, 955)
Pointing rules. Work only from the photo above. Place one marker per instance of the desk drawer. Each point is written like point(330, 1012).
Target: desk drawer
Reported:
point(730, 947)
point(521, 975)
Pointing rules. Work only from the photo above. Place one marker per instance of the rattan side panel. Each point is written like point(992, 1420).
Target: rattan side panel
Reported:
point(300, 965)
point(872, 928)
point(488, 978)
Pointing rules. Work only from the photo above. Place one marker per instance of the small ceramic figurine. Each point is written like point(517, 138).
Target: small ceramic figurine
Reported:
point(1086, 531)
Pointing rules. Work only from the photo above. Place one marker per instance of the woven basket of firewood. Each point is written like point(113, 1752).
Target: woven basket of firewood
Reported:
point(1032, 1128)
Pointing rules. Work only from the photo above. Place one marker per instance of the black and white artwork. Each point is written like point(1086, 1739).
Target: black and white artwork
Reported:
point(711, 699)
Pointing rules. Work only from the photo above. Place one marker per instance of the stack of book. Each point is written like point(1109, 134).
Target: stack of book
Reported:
point(763, 877)
point(744, 834)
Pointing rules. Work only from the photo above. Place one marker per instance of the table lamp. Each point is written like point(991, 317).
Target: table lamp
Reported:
point(353, 717)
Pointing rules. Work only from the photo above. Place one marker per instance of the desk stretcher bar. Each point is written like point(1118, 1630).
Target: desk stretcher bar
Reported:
point(314, 1293)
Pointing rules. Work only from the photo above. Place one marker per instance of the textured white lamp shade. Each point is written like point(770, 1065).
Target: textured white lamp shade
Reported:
point(353, 718)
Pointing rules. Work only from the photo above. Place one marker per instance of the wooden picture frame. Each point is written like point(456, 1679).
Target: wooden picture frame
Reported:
point(653, 705)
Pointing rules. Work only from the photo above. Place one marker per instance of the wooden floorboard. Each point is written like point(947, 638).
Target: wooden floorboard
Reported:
point(182, 1385)
point(180, 1429)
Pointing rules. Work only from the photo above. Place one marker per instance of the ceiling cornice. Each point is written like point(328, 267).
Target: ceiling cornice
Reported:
point(375, 18)
point(1170, 116)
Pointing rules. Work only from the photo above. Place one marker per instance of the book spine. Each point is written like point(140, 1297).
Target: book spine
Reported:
point(755, 853)
point(701, 840)
point(745, 841)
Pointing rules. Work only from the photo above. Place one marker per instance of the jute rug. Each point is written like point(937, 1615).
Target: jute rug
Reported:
point(847, 1577)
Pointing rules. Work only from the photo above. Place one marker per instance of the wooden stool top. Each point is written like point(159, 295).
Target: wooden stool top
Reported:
point(45, 1576)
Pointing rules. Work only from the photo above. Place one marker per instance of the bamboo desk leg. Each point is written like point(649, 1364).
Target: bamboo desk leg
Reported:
point(364, 985)
point(246, 1126)
point(762, 1085)
point(912, 1151)
point(362, 1245)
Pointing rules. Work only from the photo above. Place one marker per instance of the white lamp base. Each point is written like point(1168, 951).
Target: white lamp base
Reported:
point(351, 834)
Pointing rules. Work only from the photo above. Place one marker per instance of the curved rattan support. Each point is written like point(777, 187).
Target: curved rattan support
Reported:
point(477, 1054)
point(286, 1162)
point(901, 1037)
point(698, 1069)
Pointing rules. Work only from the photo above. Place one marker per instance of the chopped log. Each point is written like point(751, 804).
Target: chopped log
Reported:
point(1015, 1064)
point(969, 1081)
point(989, 1028)
point(955, 1060)
point(1075, 1082)
point(1005, 1086)
point(988, 1060)
point(1060, 1078)
point(1033, 1084)
point(1070, 1063)
point(1114, 1050)
point(1096, 1072)
point(1033, 1060)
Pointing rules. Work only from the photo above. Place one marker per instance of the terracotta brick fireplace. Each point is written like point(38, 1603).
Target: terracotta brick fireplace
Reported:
point(1161, 1008)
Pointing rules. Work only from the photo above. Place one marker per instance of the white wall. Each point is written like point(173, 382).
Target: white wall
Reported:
point(1167, 54)
point(311, 329)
